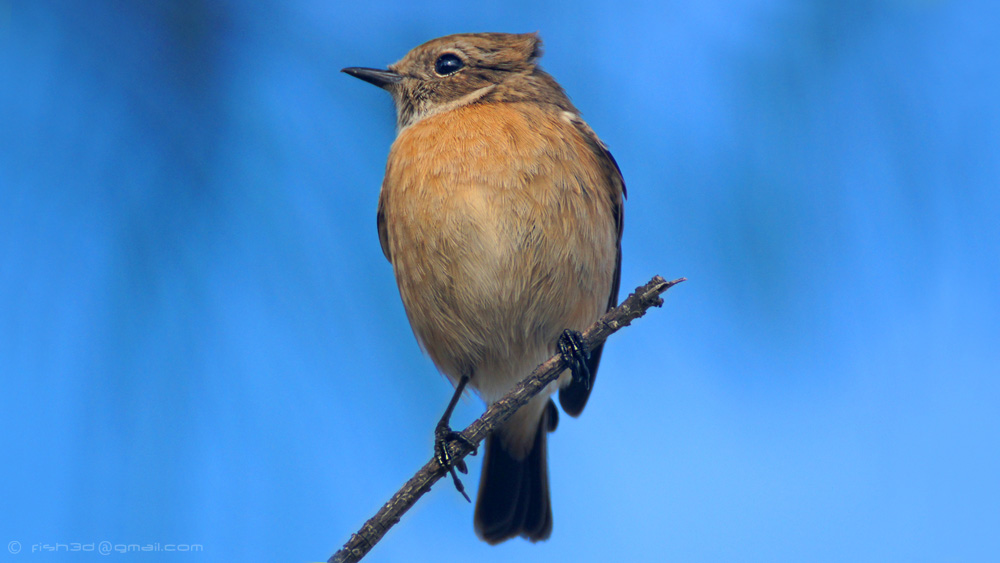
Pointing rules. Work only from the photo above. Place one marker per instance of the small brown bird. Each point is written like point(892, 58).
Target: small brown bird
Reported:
point(501, 213)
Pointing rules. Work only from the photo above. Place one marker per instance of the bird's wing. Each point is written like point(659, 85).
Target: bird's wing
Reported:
point(383, 235)
point(574, 397)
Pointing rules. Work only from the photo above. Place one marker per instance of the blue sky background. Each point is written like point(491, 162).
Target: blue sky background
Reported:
point(201, 342)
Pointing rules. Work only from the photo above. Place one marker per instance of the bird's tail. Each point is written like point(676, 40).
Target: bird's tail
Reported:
point(514, 492)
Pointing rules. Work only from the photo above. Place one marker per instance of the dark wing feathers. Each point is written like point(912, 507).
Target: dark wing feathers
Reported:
point(574, 397)
point(383, 234)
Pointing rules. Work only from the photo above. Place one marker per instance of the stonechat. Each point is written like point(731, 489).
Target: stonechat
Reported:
point(501, 214)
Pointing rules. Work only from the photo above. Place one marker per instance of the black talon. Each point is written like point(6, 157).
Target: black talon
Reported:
point(444, 436)
point(575, 354)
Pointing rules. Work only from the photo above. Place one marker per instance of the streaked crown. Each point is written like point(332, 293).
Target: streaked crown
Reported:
point(457, 70)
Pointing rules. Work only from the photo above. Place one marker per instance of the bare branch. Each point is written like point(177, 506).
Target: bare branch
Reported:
point(372, 531)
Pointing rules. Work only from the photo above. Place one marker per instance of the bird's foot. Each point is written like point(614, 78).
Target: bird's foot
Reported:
point(574, 352)
point(443, 437)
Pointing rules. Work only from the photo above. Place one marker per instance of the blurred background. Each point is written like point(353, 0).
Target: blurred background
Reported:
point(202, 343)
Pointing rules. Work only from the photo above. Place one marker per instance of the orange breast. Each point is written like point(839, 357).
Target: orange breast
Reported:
point(499, 220)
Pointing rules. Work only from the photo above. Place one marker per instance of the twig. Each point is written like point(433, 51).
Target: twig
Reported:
point(372, 531)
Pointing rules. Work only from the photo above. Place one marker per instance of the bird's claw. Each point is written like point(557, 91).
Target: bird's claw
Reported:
point(574, 352)
point(443, 437)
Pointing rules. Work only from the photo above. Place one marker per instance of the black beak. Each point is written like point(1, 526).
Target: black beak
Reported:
point(380, 78)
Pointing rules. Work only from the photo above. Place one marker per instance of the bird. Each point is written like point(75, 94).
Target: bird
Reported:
point(501, 213)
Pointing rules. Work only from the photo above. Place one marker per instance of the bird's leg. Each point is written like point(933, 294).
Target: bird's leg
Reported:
point(444, 435)
point(574, 352)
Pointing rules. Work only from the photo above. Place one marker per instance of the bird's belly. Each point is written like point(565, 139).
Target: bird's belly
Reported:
point(484, 288)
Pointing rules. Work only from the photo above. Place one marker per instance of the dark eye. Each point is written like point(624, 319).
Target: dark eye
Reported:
point(447, 64)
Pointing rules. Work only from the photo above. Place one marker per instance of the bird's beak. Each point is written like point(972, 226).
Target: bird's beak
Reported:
point(381, 78)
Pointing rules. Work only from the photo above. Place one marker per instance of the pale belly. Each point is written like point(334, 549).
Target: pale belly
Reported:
point(489, 282)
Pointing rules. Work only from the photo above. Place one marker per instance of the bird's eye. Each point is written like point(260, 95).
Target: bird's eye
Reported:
point(447, 64)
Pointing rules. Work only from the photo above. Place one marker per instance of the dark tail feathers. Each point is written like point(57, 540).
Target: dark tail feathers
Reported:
point(514, 494)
